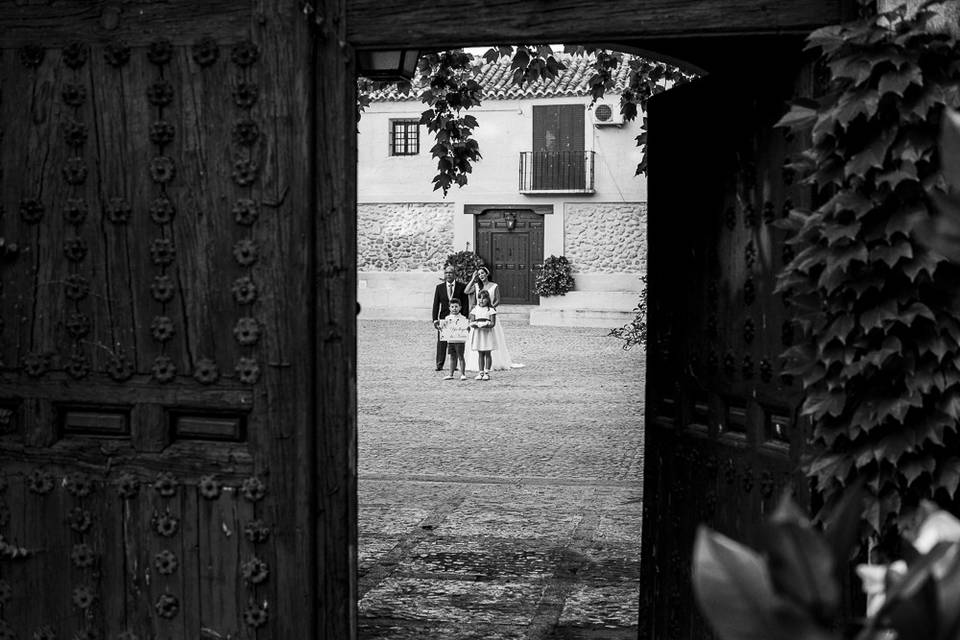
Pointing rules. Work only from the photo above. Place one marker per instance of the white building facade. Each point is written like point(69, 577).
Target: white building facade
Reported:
point(553, 180)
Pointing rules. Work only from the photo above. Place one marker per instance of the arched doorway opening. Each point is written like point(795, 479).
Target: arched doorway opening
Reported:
point(719, 404)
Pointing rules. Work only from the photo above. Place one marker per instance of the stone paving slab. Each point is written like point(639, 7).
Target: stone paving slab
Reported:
point(507, 510)
point(563, 632)
point(482, 559)
point(405, 630)
point(482, 602)
point(607, 607)
point(373, 548)
point(389, 519)
point(604, 564)
point(396, 493)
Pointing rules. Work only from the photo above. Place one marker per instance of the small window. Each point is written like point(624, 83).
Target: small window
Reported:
point(404, 137)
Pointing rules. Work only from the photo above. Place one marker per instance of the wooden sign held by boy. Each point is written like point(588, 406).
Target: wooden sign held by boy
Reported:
point(454, 330)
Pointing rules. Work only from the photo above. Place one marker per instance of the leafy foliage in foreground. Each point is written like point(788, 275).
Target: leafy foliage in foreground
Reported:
point(792, 588)
point(634, 333)
point(880, 311)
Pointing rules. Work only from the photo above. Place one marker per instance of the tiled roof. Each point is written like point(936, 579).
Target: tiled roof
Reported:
point(496, 78)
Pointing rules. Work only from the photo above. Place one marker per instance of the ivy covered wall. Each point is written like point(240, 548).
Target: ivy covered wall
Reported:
point(880, 310)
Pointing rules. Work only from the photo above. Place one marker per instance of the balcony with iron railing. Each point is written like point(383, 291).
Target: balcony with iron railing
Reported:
point(550, 172)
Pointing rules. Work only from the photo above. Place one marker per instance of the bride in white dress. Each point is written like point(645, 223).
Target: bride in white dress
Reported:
point(501, 355)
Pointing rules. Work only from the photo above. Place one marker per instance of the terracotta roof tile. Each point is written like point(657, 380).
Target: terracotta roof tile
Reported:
point(496, 78)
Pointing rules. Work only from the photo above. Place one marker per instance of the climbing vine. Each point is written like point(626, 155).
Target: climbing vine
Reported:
point(880, 361)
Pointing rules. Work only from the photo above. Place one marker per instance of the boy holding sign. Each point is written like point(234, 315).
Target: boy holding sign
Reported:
point(453, 331)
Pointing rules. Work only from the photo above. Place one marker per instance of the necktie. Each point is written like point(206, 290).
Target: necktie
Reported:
point(449, 292)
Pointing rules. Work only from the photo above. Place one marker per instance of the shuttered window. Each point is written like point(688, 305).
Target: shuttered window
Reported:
point(404, 137)
point(558, 158)
point(558, 128)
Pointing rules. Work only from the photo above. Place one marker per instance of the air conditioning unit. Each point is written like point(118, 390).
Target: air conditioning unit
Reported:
point(606, 114)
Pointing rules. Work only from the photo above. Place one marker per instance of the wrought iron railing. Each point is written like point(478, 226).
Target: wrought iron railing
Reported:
point(550, 171)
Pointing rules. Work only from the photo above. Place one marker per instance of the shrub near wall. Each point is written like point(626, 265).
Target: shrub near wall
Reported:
point(554, 277)
point(402, 236)
point(881, 358)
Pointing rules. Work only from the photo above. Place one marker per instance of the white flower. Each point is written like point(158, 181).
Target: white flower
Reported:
point(876, 578)
point(937, 527)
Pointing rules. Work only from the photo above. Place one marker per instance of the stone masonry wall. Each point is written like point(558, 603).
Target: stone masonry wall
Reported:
point(606, 237)
point(404, 236)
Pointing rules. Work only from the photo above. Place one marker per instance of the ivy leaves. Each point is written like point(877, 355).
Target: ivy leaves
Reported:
point(881, 357)
point(528, 64)
point(450, 89)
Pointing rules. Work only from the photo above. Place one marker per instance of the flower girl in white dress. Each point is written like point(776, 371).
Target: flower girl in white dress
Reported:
point(500, 354)
point(483, 319)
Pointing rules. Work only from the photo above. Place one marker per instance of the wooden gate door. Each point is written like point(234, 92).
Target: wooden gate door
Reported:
point(165, 464)
point(722, 439)
point(511, 244)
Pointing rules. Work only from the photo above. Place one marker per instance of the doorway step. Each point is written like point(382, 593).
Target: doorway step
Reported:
point(516, 313)
point(606, 309)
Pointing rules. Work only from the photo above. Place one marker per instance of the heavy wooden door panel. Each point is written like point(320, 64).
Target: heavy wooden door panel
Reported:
point(722, 437)
point(511, 261)
point(158, 390)
point(510, 241)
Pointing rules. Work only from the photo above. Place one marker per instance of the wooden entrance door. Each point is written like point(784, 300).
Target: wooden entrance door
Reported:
point(510, 241)
point(722, 432)
point(179, 308)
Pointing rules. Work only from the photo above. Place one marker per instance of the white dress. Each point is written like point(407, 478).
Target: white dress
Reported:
point(501, 354)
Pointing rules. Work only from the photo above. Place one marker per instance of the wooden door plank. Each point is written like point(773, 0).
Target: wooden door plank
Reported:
point(49, 518)
point(299, 445)
point(109, 150)
point(121, 152)
point(424, 24)
point(203, 230)
point(136, 528)
point(108, 544)
point(17, 276)
point(220, 584)
point(335, 306)
point(98, 306)
point(45, 181)
point(18, 611)
point(189, 560)
point(137, 22)
point(74, 577)
point(172, 585)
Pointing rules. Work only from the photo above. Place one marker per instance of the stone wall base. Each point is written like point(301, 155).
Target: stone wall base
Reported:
point(599, 300)
point(579, 318)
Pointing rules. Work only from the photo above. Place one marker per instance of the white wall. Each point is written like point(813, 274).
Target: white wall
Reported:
point(602, 297)
point(506, 129)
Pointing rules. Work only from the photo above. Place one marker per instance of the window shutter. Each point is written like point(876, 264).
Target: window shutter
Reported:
point(571, 127)
point(558, 145)
point(546, 126)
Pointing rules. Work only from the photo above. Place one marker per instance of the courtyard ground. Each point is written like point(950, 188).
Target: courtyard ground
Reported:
point(500, 510)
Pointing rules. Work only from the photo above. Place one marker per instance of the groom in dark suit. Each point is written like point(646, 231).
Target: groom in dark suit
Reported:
point(447, 290)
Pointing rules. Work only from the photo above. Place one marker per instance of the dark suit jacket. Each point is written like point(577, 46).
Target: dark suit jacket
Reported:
point(441, 305)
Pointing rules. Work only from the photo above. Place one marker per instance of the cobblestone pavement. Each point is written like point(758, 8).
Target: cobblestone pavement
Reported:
point(500, 510)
